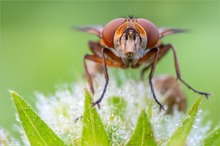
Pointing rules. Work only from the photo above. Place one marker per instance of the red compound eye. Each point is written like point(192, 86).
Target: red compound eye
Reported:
point(151, 30)
point(109, 31)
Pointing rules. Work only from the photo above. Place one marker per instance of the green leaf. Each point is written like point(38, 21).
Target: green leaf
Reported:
point(213, 138)
point(93, 129)
point(37, 131)
point(143, 134)
point(180, 135)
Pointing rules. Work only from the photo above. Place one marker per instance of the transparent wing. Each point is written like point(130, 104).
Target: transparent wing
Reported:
point(168, 31)
point(96, 29)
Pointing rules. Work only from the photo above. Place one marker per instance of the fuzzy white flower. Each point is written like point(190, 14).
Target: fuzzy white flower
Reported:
point(7, 140)
point(63, 112)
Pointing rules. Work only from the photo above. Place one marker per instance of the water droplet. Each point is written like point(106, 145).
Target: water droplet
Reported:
point(113, 128)
point(17, 117)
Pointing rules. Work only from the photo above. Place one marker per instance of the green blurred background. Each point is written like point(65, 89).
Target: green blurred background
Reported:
point(39, 48)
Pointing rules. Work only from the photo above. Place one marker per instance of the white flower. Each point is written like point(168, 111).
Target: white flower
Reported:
point(63, 112)
point(7, 140)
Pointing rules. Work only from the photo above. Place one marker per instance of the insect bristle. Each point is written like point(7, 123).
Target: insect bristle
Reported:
point(131, 16)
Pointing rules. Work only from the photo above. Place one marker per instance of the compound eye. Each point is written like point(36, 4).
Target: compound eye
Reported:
point(151, 31)
point(109, 31)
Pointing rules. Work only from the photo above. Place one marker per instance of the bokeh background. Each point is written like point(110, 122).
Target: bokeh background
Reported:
point(39, 48)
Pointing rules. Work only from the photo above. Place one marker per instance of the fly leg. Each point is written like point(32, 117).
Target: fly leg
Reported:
point(151, 76)
point(179, 75)
point(104, 62)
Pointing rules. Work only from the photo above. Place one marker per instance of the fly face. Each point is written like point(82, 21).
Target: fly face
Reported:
point(130, 46)
point(130, 42)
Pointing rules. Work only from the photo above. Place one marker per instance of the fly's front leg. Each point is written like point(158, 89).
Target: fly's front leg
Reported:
point(104, 62)
point(179, 74)
point(106, 78)
point(151, 76)
point(148, 57)
point(143, 71)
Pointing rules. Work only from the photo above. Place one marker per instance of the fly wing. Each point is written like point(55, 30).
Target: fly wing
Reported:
point(96, 30)
point(168, 31)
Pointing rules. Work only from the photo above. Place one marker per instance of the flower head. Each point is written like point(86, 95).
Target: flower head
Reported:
point(6, 139)
point(119, 112)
